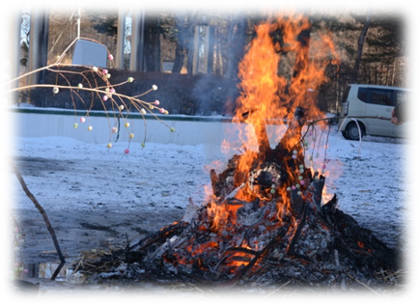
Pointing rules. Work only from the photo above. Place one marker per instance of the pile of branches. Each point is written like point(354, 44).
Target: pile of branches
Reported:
point(255, 241)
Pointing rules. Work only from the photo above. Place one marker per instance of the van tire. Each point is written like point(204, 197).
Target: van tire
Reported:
point(352, 132)
point(344, 133)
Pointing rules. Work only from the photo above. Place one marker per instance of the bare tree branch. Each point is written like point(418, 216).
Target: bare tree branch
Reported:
point(46, 220)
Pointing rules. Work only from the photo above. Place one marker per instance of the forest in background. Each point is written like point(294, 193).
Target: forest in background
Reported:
point(371, 47)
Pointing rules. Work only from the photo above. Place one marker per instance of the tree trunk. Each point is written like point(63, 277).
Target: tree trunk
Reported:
point(147, 45)
point(236, 37)
point(179, 59)
point(185, 38)
point(190, 49)
point(152, 40)
point(180, 44)
point(360, 43)
point(190, 46)
point(218, 65)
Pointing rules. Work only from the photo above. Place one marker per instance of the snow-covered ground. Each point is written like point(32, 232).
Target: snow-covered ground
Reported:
point(97, 197)
point(65, 175)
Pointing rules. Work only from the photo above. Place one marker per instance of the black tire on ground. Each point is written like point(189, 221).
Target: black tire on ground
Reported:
point(352, 131)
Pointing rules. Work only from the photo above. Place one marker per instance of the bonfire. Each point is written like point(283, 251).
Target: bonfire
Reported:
point(268, 217)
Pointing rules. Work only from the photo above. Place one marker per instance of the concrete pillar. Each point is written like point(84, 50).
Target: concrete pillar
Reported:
point(45, 25)
point(119, 56)
point(13, 38)
point(196, 47)
point(201, 42)
point(201, 45)
point(137, 40)
point(38, 44)
point(35, 42)
point(140, 51)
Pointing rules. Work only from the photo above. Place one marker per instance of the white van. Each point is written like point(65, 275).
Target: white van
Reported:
point(365, 102)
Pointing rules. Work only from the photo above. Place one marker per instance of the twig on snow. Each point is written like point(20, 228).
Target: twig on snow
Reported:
point(46, 220)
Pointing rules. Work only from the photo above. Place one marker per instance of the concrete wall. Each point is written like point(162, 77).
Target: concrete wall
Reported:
point(32, 122)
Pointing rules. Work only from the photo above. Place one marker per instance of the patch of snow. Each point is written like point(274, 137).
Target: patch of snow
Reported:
point(368, 177)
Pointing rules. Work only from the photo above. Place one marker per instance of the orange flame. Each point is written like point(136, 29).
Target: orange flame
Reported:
point(266, 95)
point(270, 93)
point(276, 78)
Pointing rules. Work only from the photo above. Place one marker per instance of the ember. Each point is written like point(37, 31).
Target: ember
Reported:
point(266, 219)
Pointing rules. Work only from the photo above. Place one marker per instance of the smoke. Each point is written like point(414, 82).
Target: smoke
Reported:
point(181, 13)
point(215, 88)
point(214, 95)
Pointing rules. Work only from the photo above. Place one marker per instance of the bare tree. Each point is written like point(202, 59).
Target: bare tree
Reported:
point(184, 36)
point(360, 43)
point(236, 38)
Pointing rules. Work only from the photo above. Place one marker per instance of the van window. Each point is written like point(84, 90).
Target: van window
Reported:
point(401, 96)
point(381, 97)
point(362, 94)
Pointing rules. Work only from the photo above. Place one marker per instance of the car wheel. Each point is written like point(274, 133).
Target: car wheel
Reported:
point(352, 131)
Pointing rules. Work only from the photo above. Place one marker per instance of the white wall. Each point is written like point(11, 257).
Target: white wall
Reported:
point(188, 131)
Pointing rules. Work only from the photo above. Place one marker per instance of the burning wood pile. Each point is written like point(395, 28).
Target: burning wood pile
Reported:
point(267, 226)
point(266, 221)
